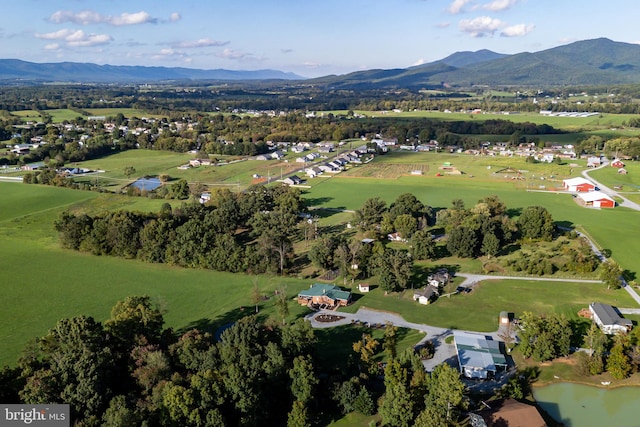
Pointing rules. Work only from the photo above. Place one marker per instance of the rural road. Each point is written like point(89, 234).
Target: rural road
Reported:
point(625, 202)
point(443, 352)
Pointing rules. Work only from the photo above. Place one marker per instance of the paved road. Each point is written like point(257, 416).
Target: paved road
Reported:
point(444, 352)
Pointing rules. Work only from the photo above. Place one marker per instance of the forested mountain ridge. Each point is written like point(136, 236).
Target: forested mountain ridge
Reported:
point(589, 62)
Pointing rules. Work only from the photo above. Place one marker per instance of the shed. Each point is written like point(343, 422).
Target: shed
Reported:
point(363, 287)
point(504, 318)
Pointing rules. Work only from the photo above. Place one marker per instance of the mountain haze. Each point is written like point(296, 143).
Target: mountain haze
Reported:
point(17, 70)
point(589, 62)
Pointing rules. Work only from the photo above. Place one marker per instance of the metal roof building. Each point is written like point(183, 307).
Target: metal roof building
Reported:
point(478, 356)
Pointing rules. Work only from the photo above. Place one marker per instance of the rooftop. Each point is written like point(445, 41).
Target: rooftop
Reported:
point(319, 289)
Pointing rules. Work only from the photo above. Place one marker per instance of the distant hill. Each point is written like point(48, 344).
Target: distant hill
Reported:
point(589, 62)
point(15, 70)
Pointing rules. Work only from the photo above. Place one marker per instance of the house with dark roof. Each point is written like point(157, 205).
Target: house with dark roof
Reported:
point(426, 295)
point(293, 180)
point(324, 294)
point(478, 356)
point(608, 319)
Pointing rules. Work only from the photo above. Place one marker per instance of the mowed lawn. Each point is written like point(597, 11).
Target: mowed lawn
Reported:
point(42, 283)
point(479, 309)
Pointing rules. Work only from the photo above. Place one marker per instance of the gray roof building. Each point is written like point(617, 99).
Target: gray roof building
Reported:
point(478, 356)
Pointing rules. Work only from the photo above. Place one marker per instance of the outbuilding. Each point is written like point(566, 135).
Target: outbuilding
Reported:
point(597, 199)
point(617, 163)
point(608, 319)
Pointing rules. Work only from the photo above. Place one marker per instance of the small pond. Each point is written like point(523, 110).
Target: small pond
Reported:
point(577, 405)
point(148, 184)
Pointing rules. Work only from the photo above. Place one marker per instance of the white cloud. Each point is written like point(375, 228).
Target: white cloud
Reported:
point(518, 30)
point(481, 26)
point(55, 35)
point(457, 6)
point(52, 46)
point(84, 17)
point(499, 5)
point(175, 16)
point(310, 64)
point(199, 43)
point(131, 19)
point(88, 17)
point(234, 54)
point(76, 38)
point(443, 25)
point(170, 54)
point(418, 62)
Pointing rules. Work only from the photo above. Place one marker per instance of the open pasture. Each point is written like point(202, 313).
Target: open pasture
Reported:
point(229, 171)
point(43, 283)
point(613, 229)
point(112, 112)
point(598, 122)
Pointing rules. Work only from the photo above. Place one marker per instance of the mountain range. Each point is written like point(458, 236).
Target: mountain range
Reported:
point(590, 62)
point(15, 71)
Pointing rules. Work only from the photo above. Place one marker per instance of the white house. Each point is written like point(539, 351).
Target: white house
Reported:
point(608, 319)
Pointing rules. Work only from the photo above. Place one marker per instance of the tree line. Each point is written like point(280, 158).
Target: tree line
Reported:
point(249, 231)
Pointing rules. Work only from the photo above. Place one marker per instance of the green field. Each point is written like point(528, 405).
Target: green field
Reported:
point(614, 229)
point(237, 174)
point(43, 283)
point(478, 310)
point(599, 122)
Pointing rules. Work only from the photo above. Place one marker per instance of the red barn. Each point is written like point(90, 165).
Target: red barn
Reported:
point(617, 163)
point(578, 185)
point(597, 199)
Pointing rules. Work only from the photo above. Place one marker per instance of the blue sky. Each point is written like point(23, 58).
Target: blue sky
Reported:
point(308, 37)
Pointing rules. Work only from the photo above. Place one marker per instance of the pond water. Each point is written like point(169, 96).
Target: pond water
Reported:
point(148, 184)
point(577, 405)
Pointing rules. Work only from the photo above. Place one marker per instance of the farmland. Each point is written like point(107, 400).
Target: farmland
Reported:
point(44, 283)
point(70, 283)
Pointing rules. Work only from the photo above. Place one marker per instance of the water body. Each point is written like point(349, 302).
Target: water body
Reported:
point(148, 184)
point(577, 405)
